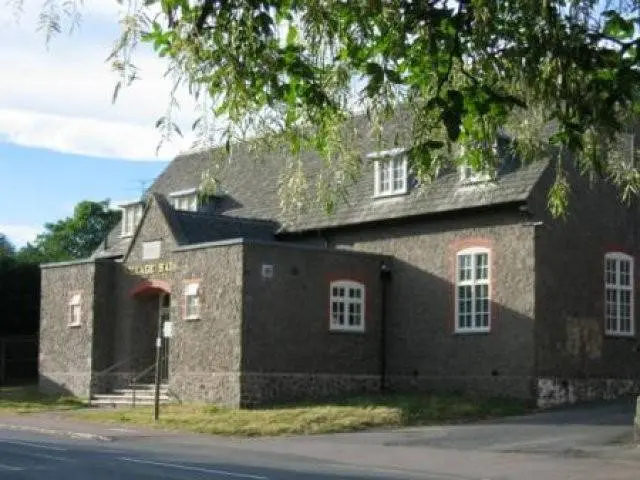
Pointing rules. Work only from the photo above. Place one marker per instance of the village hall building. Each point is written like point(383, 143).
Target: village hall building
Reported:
point(462, 284)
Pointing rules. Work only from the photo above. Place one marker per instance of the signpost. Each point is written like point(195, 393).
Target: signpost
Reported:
point(156, 396)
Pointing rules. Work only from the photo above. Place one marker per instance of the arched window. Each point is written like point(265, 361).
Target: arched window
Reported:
point(473, 293)
point(618, 294)
point(347, 302)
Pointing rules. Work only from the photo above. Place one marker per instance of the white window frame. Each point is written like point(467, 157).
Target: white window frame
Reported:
point(192, 290)
point(469, 175)
point(131, 216)
point(612, 325)
point(358, 302)
point(185, 200)
point(473, 282)
point(151, 250)
point(394, 164)
point(75, 305)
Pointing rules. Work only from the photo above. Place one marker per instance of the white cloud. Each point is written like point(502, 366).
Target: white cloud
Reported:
point(60, 98)
point(20, 235)
point(83, 136)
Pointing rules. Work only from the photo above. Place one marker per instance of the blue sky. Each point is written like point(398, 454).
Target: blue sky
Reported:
point(61, 138)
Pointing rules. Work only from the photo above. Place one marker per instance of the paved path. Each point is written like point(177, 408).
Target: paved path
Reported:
point(582, 443)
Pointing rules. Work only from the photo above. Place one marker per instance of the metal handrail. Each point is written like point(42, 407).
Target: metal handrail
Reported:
point(110, 368)
point(107, 370)
point(134, 380)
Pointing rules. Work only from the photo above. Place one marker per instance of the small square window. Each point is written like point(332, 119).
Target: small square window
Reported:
point(75, 310)
point(192, 304)
point(151, 250)
point(185, 200)
point(267, 271)
point(131, 216)
point(390, 172)
point(347, 306)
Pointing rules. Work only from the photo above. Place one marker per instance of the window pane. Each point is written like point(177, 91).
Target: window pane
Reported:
point(482, 266)
point(611, 310)
point(399, 176)
point(611, 271)
point(625, 311)
point(384, 180)
point(464, 307)
point(464, 267)
point(625, 272)
point(193, 306)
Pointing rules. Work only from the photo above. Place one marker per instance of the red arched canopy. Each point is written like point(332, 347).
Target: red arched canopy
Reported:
point(149, 287)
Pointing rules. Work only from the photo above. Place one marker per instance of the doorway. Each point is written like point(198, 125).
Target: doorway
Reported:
point(164, 311)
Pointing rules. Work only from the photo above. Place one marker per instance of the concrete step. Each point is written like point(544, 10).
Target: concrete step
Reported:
point(124, 402)
point(144, 395)
point(139, 391)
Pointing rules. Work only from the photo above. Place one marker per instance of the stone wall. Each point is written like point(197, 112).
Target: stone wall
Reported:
point(570, 338)
point(205, 354)
point(65, 358)
point(424, 351)
point(553, 392)
point(288, 348)
point(265, 388)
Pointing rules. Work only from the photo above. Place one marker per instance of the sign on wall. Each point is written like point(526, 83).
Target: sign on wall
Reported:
point(150, 268)
point(167, 329)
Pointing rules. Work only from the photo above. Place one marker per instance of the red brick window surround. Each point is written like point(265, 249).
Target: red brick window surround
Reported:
point(347, 306)
point(618, 294)
point(75, 309)
point(192, 300)
point(473, 290)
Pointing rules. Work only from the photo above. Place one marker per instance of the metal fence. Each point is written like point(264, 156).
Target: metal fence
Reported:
point(18, 359)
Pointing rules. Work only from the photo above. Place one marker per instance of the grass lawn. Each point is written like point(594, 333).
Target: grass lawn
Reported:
point(351, 414)
point(27, 399)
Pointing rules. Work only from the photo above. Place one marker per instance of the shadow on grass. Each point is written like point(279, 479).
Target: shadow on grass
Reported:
point(27, 399)
point(314, 417)
point(428, 408)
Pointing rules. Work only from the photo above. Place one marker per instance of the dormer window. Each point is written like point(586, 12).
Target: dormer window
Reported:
point(131, 215)
point(186, 200)
point(390, 172)
point(469, 175)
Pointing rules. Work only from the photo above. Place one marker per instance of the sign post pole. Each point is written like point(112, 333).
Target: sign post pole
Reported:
point(156, 396)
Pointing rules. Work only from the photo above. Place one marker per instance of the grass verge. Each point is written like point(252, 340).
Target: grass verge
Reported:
point(347, 415)
point(27, 399)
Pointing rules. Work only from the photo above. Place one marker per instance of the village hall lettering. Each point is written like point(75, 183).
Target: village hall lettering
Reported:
point(149, 268)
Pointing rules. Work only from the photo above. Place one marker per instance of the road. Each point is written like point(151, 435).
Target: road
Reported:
point(578, 443)
point(29, 456)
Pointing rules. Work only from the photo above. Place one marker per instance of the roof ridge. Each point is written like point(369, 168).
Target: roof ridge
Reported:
point(226, 217)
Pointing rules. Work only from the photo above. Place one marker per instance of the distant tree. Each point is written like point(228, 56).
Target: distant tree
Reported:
point(6, 247)
point(74, 237)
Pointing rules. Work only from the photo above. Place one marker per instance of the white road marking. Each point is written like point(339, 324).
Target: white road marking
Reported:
point(10, 468)
point(48, 457)
point(194, 469)
point(34, 445)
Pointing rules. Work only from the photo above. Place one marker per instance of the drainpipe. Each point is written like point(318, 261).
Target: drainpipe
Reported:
point(385, 277)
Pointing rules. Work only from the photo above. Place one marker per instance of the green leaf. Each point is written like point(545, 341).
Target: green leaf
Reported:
point(292, 35)
point(617, 27)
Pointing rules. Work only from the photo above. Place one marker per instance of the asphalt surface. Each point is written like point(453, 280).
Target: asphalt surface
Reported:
point(30, 456)
point(578, 443)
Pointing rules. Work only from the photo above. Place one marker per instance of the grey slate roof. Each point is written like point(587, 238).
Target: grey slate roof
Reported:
point(250, 192)
point(202, 227)
point(251, 185)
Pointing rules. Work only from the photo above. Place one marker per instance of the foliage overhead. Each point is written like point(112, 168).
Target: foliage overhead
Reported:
point(6, 247)
point(294, 71)
point(74, 237)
